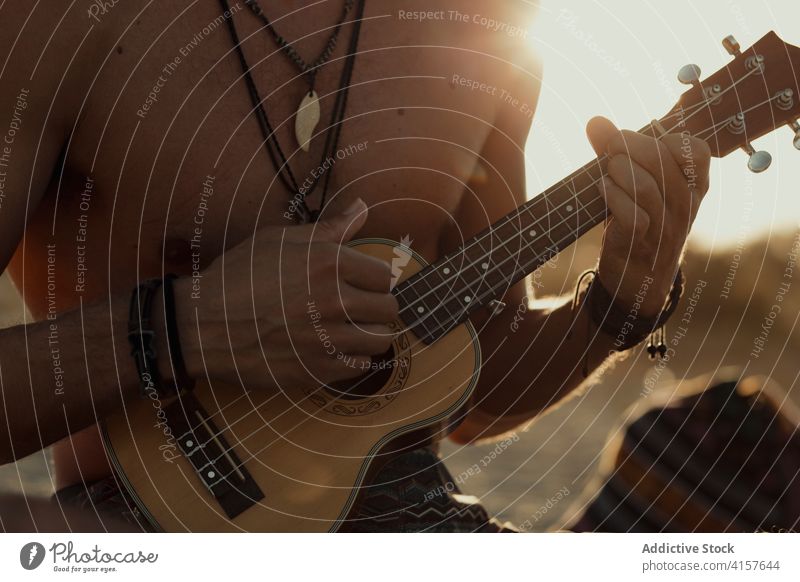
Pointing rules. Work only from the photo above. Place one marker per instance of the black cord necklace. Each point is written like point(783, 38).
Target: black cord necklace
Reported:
point(298, 206)
point(308, 113)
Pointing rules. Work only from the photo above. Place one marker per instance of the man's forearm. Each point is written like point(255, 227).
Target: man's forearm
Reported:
point(539, 360)
point(60, 375)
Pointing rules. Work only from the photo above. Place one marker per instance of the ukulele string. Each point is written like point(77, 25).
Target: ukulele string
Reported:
point(537, 223)
point(713, 130)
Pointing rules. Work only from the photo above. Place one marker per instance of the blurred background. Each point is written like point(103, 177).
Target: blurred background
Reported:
point(619, 59)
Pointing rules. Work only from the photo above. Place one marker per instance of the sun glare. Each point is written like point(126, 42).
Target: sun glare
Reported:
point(620, 59)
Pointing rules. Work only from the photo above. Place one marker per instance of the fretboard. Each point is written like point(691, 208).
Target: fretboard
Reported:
point(445, 293)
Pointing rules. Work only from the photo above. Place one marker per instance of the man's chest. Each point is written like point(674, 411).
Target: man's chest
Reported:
point(170, 130)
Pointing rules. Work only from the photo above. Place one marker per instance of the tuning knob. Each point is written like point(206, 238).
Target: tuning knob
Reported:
point(689, 75)
point(796, 128)
point(731, 45)
point(759, 160)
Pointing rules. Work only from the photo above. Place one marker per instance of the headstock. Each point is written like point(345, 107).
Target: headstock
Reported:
point(753, 95)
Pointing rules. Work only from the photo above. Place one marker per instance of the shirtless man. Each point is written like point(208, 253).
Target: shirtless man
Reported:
point(123, 110)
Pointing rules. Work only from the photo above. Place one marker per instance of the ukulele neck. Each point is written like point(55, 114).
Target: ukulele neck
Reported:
point(444, 294)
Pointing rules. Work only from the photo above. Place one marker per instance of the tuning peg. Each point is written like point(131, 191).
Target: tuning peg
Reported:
point(796, 128)
point(759, 160)
point(731, 45)
point(689, 75)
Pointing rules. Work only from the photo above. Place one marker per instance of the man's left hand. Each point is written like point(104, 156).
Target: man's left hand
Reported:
point(653, 191)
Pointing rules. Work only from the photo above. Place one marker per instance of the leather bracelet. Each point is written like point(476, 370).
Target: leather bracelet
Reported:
point(142, 338)
point(181, 378)
point(624, 324)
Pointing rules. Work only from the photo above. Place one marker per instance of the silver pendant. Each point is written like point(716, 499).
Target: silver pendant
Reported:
point(306, 120)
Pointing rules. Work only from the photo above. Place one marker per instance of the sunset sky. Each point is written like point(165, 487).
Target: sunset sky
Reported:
point(620, 59)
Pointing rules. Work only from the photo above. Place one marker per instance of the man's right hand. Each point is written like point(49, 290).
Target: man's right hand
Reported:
point(289, 306)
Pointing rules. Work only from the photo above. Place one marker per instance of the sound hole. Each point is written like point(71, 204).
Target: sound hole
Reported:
point(370, 382)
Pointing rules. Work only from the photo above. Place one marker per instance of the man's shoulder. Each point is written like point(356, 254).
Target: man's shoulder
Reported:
point(504, 33)
point(508, 40)
point(47, 47)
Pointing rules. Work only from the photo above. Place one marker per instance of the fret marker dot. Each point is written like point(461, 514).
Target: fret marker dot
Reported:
point(420, 309)
point(467, 299)
point(211, 474)
point(189, 444)
point(532, 233)
point(569, 208)
point(485, 266)
point(446, 271)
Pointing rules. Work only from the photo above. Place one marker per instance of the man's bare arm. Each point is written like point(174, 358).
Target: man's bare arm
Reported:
point(530, 363)
point(258, 336)
point(57, 375)
point(533, 362)
point(61, 375)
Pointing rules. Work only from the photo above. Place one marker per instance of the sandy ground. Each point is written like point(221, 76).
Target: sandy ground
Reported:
point(542, 478)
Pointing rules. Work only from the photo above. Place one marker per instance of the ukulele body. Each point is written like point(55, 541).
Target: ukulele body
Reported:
point(292, 460)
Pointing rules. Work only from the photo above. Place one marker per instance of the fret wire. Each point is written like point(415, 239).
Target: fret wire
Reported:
point(431, 288)
point(527, 207)
point(538, 239)
point(584, 208)
point(484, 280)
point(435, 319)
point(428, 315)
point(447, 310)
point(430, 311)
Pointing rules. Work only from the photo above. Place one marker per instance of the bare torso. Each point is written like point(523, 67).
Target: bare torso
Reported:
point(420, 136)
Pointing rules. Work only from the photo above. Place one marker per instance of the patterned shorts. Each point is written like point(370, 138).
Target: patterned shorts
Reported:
point(412, 493)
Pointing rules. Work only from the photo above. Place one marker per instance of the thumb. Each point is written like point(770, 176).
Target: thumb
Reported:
point(600, 132)
point(342, 227)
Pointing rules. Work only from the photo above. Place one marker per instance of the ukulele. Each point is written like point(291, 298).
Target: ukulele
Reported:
point(224, 458)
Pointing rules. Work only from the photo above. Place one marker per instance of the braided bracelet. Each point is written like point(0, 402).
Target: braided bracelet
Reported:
point(142, 338)
point(624, 323)
point(143, 343)
point(181, 376)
